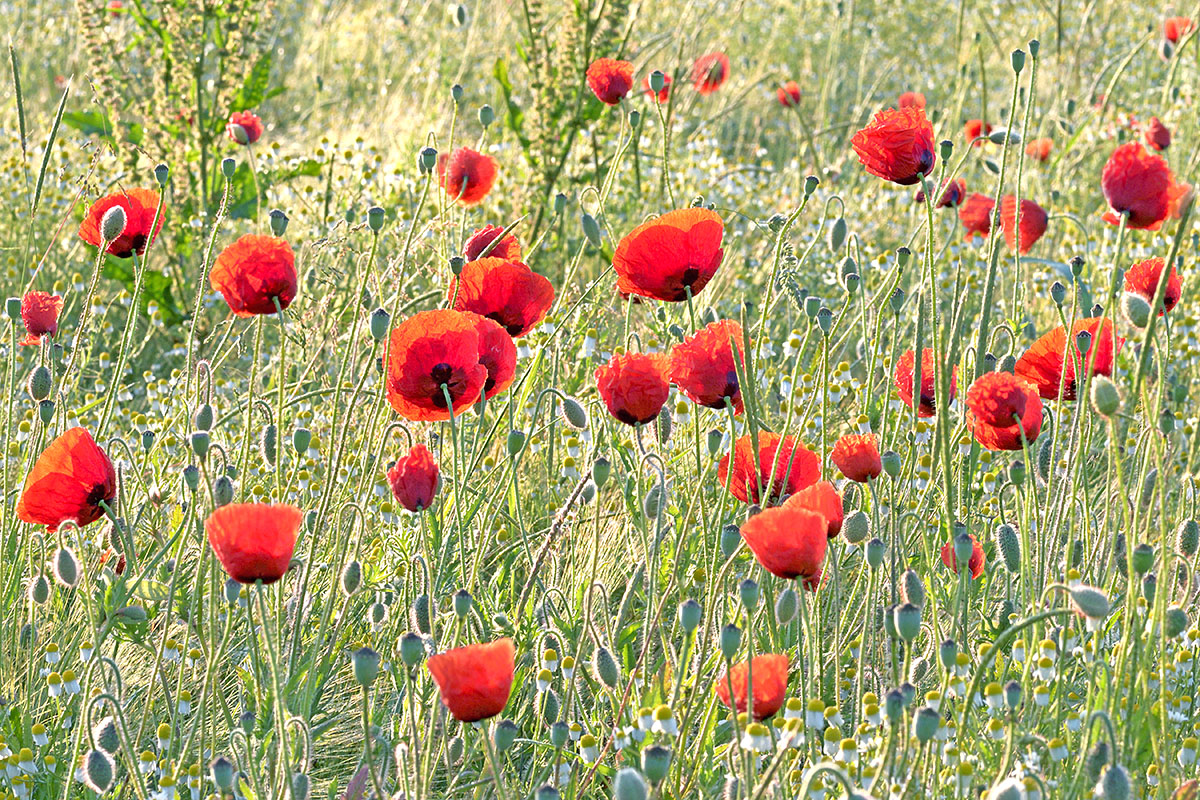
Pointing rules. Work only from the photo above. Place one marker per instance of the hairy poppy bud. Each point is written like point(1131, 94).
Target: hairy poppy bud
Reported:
point(1009, 545)
point(1175, 621)
point(1090, 601)
point(907, 619)
point(98, 771)
point(301, 789)
point(39, 590)
point(591, 229)
point(912, 589)
point(39, 383)
point(856, 527)
point(222, 491)
point(925, 724)
point(422, 612)
point(106, 736)
point(1135, 309)
point(1166, 422)
point(268, 443)
point(656, 761)
point(366, 666)
point(837, 234)
point(875, 552)
point(504, 734)
point(574, 413)
point(351, 578)
point(515, 442)
point(1045, 458)
point(112, 224)
point(663, 425)
point(786, 606)
point(605, 668)
point(1004, 136)
point(654, 502)
point(1114, 783)
point(65, 567)
point(1187, 538)
point(730, 641)
point(628, 784)
point(1106, 400)
point(1149, 481)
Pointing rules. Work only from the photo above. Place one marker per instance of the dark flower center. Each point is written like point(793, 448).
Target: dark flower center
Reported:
point(440, 374)
point(98, 493)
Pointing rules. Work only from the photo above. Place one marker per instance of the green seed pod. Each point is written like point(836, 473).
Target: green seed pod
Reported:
point(504, 734)
point(1187, 538)
point(162, 174)
point(876, 549)
point(663, 425)
point(714, 442)
point(560, 204)
point(912, 589)
point(486, 115)
point(891, 463)
point(601, 469)
point(379, 322)
point(925, 724)
point(515, 442)
point(1143, 558)
point(837, 234)
point(856, 527)
point(628, 784)
point(65, 567)
point(907, 619)
point(657, 81)
point(749, 594)
point(810, 184)
point(731, 537)
point(39, 383)
point(191, 477)
point(454, 749)
point(39, 590)
point(787, 604)
point(222, 491)
point(1106, 400)
point(268, 443)
point(366, 666)
point(605, 669)
point(279, 222)
point(301, 788)
point(228, 168)
point(549, 707)
point(1149, 586)
point(462, 603)
point(200, 442)
point(98, 766)
point(12, 308)
point(656, 762)
point(351, 578)
point(301, 439)
point(893, 705)
point(1058, 293)
point(574, 413)
point(546, 792)
point(427, 160)
point(1016, 472)
point(690, 614)
point(1008, 542)
point(730, 641)
point(1176, 621)
point(947, 653)
point(812, 304)
point(423, 611)
point(412, 649)
point(591, 229)
point(46, 411)
point(106, 736)
point(1148, 484)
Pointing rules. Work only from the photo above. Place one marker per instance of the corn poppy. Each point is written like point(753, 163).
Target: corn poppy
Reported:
point(911, 100)
point(1043, 363)
point(69, 482)
point(704, 368)
point(662, 94)
point(475, 680)
point(244, 127)
point(788, 94)
point(254, 272)
point(789, 542)
point(465, 175)
point(976, 564)
point(254, 541)
point(897, 145)
point(497, 353)
point(857, 456)
point(670, 255)
point(1175, 28)
point(433, 354)
point(823, 498)
point(39, 313)
point(1143, 277)
point(769, 674)
point(1022, 235)
point(1003, 411)
point(974, 129)
point(709, 72)
point(794, 466)
point(1157, 135)
point(140, 206)
point(415, 478)
point(952, 194)
point(904, 381)
point(1140, 186)
point(634, 386)
point(1039, 149)
point(508, 292)
point(610, 79)
point(508, 248)
point(975, 214)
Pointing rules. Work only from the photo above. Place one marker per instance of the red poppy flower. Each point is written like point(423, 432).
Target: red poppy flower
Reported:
point(1157, 135)
point(254, 541)
point(1175, 28)
point(1043, 363)
point(475, 680)
point(508, 248)
point(904, 381)
point(976, 214)
point(911, 100)
point(793, 465)
point(1139, 185)
point(68, 482)
point(610, 79)
point(1142, 278)
point(669, 255)
point(429, 351)
point(952, 194)
point(857, 456)
point(974, 129)
point(39, 312)
point(505, 291)
point(415, 479)
point(634, 386)
point(1039, 149)
point(769, 674)
point(897, 145)
point(1022, 235)
point(789, 542)
point(703, 365)
point(140, 206)
point(995, 403)
point(709, 72)
point(466, 176)
point(823, 498)
point(978, 559)
point(497, 353)
point(254, 272)
point(663, 94)
point(788, 94)
point(251, 127)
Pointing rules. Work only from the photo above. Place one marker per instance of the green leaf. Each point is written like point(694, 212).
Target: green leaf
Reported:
point(90, 123)
point(254, 90)
point(514, 117)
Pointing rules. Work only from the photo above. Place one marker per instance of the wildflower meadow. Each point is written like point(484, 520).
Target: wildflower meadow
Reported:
point(539, 399)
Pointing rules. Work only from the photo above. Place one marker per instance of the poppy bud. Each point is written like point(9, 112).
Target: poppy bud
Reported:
point(112, 224)
point(748, 591)
point(546, 792)
point(412, 649)
point(654, 501)
point(560, 203)
point(238, 133)
point(1149, 585)
point(907, 619)
point(875, 552)
point(893, 705)
point(1187, 538)
point(1106, 400)
point(1143, 558)
point(65, 567)
point(690, 613)
point(377, 614)
point(1114, 783)
point(591, 229)
point(106, 736)
point(1090, 601)
point(656, 760)
point(301, 439)
point(856, 527)
point(98, 770)
point(1135, 309)
point(422, 612)
point(925, 724)
point(39, 590)
point(1175, 621)
point(221, 772)
point(913, 590)
point(268, 443)
point(12, 308)
point(39, 383)
point(1166, 423)
point(1148, 483)
point(810, 184)
point(731, 640)
point(222, 491)
point(787, 604)
point(601, 468)
point(948, 653)
point(731, 537)
point(301, 789)
point(228, 168)
point(504, 734)
point(657, 81)
point(605, 668)
point(366, 666)
point(629, 785)
point(560, 732)
point(1009, 545)
point(663, 425)
point(515, 442)
point(574, 413)
point(351, 578)
point(1004, 136)
point(837, 234)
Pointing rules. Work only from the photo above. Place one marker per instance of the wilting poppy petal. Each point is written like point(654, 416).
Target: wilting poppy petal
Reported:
point(465, 175)
point(904, 377)
point(429, 351)
point(505, 291)
point(769, 674)
point(1143, 277)
point(610, 79)
point(793, 465)
point(857, 456)
point(1043, 363)
point(788, 541)
point(670, 255)
point(254, 541)
point(897, 145)
point(475, 681)
point(254, 272)
point(39, 313)
point(823, 498)
point(703, 365)
point(415, 478)
point(68, 482)
point(140, 206)
point(634, 386)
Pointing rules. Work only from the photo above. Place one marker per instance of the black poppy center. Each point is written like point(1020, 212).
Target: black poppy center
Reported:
point(731, 385)
point(98, 494)
point(440, 374)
